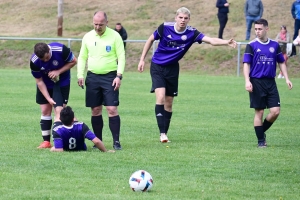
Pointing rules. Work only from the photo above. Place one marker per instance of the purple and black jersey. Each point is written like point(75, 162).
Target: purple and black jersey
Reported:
point(60, 55)
point(263, 58)
point(71, 138)
point(173, 44)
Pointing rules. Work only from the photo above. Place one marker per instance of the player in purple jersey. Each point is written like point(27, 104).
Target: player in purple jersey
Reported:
point(260, 59)
point(69, 135)
point(175, 40)
point(50, 66)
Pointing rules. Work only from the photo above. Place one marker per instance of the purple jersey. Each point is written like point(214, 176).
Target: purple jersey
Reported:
point(173, 44)
point(71, 138)
point(263, 58)
point(60, 55)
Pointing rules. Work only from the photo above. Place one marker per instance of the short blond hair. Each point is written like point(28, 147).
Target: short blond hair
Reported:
point(183, 10)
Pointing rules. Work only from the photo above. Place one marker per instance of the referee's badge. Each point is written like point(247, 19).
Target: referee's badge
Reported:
point(108, 48)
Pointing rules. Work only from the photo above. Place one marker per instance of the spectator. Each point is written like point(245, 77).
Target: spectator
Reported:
point(283, 37)
point(295, 10)
point(223, 11)
point(122, 31)
point(253, 11)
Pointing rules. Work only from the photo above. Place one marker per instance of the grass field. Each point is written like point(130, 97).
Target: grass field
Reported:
point(213, 153)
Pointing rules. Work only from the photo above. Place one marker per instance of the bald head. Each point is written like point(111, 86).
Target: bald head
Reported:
point(100, 13)
point(100, 22)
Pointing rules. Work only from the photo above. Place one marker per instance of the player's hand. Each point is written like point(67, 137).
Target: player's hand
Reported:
point(249, 87)
point(51, 101)
point(232, 43)
point(80, 82)
point(289, 83)
point(110, 151)
point(141, 66)
point(116, 83)
point(53, 74)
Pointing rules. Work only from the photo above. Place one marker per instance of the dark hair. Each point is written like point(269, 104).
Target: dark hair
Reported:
point(262, 21)
point(67, 116)
point(118, 23)
point(40, 49)
point(283, 26)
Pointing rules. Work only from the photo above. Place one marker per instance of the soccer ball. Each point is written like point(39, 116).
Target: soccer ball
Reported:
point(140, 181)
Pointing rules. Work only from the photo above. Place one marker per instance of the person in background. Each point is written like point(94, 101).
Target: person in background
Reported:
point(50, 66)
point(253, 11)
point(223, 10)
point(102, 50)
point(175, 40)
point(295, 11)
point(260, 60)
point(283, 37)
point(122, 31)
point(69, 134)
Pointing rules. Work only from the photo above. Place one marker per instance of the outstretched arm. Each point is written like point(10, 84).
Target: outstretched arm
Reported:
point(219, 42)
point(99, 144)
point(147, 46)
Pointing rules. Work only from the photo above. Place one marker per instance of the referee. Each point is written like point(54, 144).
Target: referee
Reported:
point(102, 51)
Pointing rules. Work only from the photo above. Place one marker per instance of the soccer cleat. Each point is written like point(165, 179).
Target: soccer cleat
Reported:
point(117, 145)
point(45, 145)
point(164, 138)
point(262, 144)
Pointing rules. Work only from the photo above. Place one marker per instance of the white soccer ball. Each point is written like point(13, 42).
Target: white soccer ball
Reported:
point(140, 181)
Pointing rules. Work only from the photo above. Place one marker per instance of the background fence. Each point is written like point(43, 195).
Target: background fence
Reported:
point(70, 40)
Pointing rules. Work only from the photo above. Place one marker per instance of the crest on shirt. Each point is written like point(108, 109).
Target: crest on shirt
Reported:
point(271, 49)
point(184, 37)
point(55, 62)
point(108, 48)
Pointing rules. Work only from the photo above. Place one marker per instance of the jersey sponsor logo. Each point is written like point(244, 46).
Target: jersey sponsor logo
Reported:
point(55, 62)
point(184, 37)
point(108, 48)
point(271, 49)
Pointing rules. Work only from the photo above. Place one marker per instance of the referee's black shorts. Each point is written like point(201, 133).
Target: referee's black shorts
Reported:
point(165, 77)
point(65, 91)
point(99, 90)
point(265, 93)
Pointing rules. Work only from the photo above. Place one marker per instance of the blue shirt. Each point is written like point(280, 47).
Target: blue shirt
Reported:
point(173, 44)
point(60, 55)
point(295, 10)
point(263, 58)
point(71, 138)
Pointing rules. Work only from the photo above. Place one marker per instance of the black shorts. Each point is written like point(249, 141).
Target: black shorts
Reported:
point(65, 91)
point(99, 90)
point(265, 94)
point(165, 77)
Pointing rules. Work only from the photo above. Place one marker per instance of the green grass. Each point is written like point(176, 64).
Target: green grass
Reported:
point(213, 153)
